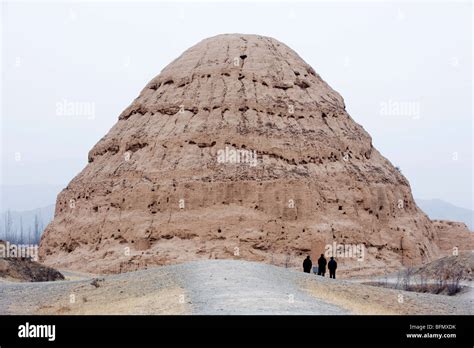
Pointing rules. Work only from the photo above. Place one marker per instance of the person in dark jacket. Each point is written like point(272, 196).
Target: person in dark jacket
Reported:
point(307, 264)
point(322, 265)
point(332, 265)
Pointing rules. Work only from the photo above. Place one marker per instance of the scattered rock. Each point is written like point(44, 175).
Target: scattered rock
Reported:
point(96, 282)
point(461, 264)
point(26, 270)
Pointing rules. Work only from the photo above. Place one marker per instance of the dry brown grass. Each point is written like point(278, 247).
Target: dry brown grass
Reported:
point(364, 299)
point(165, 301)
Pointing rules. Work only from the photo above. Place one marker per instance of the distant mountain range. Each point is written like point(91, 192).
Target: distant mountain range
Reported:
point(437, 209)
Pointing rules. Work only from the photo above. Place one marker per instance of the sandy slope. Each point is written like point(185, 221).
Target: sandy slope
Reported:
point(217, 287)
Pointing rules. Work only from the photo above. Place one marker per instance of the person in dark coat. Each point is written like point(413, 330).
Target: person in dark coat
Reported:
point(322, 265)
point(307, 264)
point(332, 265)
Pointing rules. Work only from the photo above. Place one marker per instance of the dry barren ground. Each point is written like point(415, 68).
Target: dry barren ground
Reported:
point(217, 287)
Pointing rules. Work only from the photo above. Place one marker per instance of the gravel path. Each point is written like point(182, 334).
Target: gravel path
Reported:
point(235, 287)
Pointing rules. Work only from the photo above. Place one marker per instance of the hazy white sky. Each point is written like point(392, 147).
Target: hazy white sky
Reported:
point(403, 68)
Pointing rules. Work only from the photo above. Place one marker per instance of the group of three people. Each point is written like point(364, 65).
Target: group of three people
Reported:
point(332, 265)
